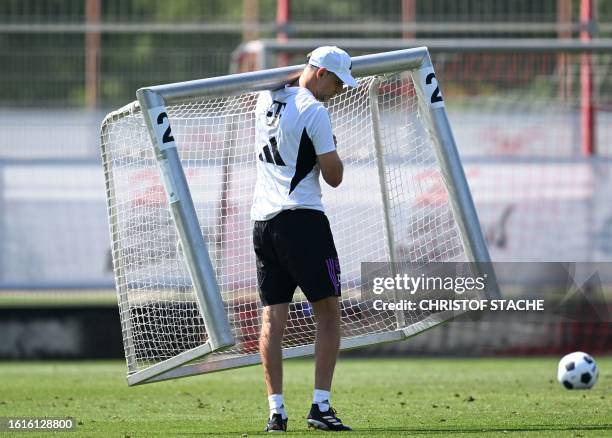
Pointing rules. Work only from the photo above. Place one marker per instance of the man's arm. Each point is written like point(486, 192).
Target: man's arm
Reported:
point(322, 136)
point(332, 168)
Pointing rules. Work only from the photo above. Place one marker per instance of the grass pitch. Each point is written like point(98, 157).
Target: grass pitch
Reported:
point(377, 397)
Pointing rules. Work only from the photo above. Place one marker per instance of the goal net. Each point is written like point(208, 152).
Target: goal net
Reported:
point(403, 198)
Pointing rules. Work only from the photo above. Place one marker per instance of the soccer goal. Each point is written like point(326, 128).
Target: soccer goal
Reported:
point(180, 168)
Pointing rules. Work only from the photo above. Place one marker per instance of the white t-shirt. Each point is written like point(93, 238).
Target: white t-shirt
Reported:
point(292, 128)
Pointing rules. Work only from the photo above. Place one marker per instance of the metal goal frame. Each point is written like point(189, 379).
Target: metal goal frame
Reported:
point(152, 102)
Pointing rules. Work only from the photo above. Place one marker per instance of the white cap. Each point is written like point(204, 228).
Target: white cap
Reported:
point(336, 61)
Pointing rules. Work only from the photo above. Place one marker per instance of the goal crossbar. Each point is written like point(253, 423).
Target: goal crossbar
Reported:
point(223, 86)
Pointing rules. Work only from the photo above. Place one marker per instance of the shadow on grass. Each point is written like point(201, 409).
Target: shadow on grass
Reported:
point(425, 430)
point(524, 428)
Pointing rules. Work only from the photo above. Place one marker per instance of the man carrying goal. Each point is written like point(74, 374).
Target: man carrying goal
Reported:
point(292, 238)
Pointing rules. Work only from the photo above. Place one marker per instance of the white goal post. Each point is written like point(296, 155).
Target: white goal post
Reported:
point(179, 166)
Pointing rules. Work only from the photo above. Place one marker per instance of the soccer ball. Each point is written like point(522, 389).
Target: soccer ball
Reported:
point(577, 370)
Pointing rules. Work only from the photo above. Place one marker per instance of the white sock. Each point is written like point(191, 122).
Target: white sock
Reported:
point(277, 405)
point(321, 398)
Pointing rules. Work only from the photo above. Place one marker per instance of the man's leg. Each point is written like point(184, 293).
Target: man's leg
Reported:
point(327, 341)
point(270, 347)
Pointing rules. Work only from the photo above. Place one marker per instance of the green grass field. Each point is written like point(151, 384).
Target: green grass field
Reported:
point(377, 397)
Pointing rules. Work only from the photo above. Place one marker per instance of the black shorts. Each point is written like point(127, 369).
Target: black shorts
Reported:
point(296, 248)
